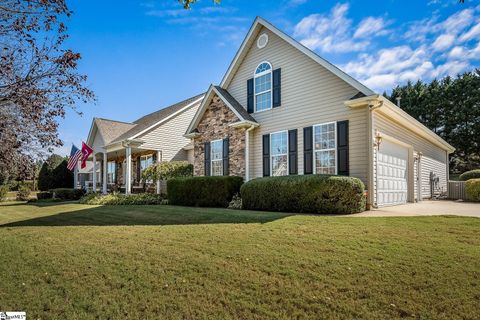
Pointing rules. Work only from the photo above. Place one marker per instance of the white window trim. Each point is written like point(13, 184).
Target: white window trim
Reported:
point(281, 154)
point(211, 160)
point(145, 157)
point(330, 149)
point(256, 75)
point(112, 174)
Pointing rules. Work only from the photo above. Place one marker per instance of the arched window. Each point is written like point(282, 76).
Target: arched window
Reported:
point(263, 86)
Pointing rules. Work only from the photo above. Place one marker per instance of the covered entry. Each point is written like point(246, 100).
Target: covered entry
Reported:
point(391, 174)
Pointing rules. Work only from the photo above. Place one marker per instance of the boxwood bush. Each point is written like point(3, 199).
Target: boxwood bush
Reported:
point(122, 199)
point(305, 193)
point(472, 174)
point(43, 195)
point(203, 191)
point(67, 193)
point(472, 189)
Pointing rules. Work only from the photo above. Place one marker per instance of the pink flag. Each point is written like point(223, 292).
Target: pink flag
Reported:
point(86, 152)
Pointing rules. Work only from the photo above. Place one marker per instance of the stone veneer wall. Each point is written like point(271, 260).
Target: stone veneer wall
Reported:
point(214, 125)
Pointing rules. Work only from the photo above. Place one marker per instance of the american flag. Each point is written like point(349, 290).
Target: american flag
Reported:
point(75, 155)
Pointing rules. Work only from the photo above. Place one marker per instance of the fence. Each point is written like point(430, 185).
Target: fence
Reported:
point(456, 190)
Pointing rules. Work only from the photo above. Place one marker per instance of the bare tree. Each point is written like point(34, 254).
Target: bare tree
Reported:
point(38, 77)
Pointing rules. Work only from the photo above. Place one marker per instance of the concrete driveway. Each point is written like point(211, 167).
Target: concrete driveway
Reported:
point(426, 208)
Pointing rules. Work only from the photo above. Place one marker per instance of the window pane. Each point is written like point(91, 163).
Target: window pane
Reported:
point(263, 83)
point(325, 162)
point(216, 152)
point(263, 101)
point(324, 136)
point(279, 143)
point(279, 165)
point(217, 168)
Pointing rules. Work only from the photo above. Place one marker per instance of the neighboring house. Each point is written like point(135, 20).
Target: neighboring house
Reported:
point(281, 109)
point(123, 150)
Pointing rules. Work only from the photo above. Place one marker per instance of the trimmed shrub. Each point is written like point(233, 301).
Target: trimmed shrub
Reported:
point(3, 193)
point(121, 199)
point(472, 189)
point(472, 174)
point(305, 194)
point(168, 170)
point(67, 193)
point(203, 191)
point(23, 193)
point(44, 195)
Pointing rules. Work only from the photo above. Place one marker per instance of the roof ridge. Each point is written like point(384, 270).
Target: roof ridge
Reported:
point(170, 106)
point(104, 119)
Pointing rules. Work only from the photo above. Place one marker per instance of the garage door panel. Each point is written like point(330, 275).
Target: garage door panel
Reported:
point(392, 162)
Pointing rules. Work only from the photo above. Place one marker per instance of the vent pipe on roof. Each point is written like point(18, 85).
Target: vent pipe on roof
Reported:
point(398, 101)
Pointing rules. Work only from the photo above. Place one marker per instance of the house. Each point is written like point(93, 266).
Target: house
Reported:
point(283, 110)
point(122, 150)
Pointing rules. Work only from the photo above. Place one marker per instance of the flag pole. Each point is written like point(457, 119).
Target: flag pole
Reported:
point(75, 176)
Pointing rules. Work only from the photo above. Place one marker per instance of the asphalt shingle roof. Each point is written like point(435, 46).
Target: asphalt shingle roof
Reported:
point(235, 104)
point(111, 129)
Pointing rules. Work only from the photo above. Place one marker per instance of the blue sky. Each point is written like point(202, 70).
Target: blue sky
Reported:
point(143, 56)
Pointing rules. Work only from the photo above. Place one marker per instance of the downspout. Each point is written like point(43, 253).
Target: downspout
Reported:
point(370, 109)
point(247, 152)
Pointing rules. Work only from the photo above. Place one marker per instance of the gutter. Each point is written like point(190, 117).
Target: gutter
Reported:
point(371, 107)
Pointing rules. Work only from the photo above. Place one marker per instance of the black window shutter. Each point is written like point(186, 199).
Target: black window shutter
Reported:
point(342, 148)
point(266, 155)
point(308, 150)
point(138, 170)
point(292, 152)
point(207, 158)
point(225, 157)
point(277, 79)
point(250, 94)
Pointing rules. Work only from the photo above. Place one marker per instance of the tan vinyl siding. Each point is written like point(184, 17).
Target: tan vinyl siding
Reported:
point(310, 95)
point(98, 143)
point(168, 137)
point(434, 158)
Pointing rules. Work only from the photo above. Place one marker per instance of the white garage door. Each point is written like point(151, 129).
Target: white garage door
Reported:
point(392, 162)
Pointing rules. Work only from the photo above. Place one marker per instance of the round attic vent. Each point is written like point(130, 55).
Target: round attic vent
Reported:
point(262, 40)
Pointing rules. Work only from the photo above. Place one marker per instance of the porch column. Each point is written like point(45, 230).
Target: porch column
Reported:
point(159, 159)
point(94, 176)
point(128, 171)
point(104, 178)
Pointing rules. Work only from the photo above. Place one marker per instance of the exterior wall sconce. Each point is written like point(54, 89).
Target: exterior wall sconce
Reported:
point(378, 140)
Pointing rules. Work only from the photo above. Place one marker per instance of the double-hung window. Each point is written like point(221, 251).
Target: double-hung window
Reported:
point(279, 153)
point(263, 87)
point(145, 162)
point(216, 158)
point(111, 171)
point(325, 148)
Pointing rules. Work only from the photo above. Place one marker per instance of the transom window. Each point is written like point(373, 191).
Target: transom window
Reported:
point(279, 153)
point(263, 86)
point(111, 171)
point(216, 158)
point(325, 147)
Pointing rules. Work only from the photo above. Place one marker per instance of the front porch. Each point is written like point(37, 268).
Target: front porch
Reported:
point(120, 170)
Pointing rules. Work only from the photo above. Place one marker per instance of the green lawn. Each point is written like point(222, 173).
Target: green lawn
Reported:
point(71, 261)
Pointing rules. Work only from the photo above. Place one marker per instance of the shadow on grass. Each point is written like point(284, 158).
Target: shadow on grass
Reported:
point(146, 215)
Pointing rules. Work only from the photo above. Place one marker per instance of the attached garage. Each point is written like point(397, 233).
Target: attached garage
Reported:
point(406, 162)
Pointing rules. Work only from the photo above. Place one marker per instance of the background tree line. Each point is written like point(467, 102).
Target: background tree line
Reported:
point(450, 107)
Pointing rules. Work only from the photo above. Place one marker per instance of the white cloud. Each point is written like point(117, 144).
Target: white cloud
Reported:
point(294, 3)
point(443, 41)
point(371, 26)
point(450, 68)
point(473, 33)
point(333, 32)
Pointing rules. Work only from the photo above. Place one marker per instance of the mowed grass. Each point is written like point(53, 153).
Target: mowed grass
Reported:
point(71, 261)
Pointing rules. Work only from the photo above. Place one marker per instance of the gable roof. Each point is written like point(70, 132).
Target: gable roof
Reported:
point(230, 101)
point(250, 38)
point(108, 129)
point(151, 120)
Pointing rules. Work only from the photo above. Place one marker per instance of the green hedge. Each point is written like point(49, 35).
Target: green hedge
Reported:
point(23, 193)
point(203, 191)
point(67, 193)
point(3, 193)
point(472, 174)
point(42, 195)
point(472, 189)
point(121, 199)
point(305, 193)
